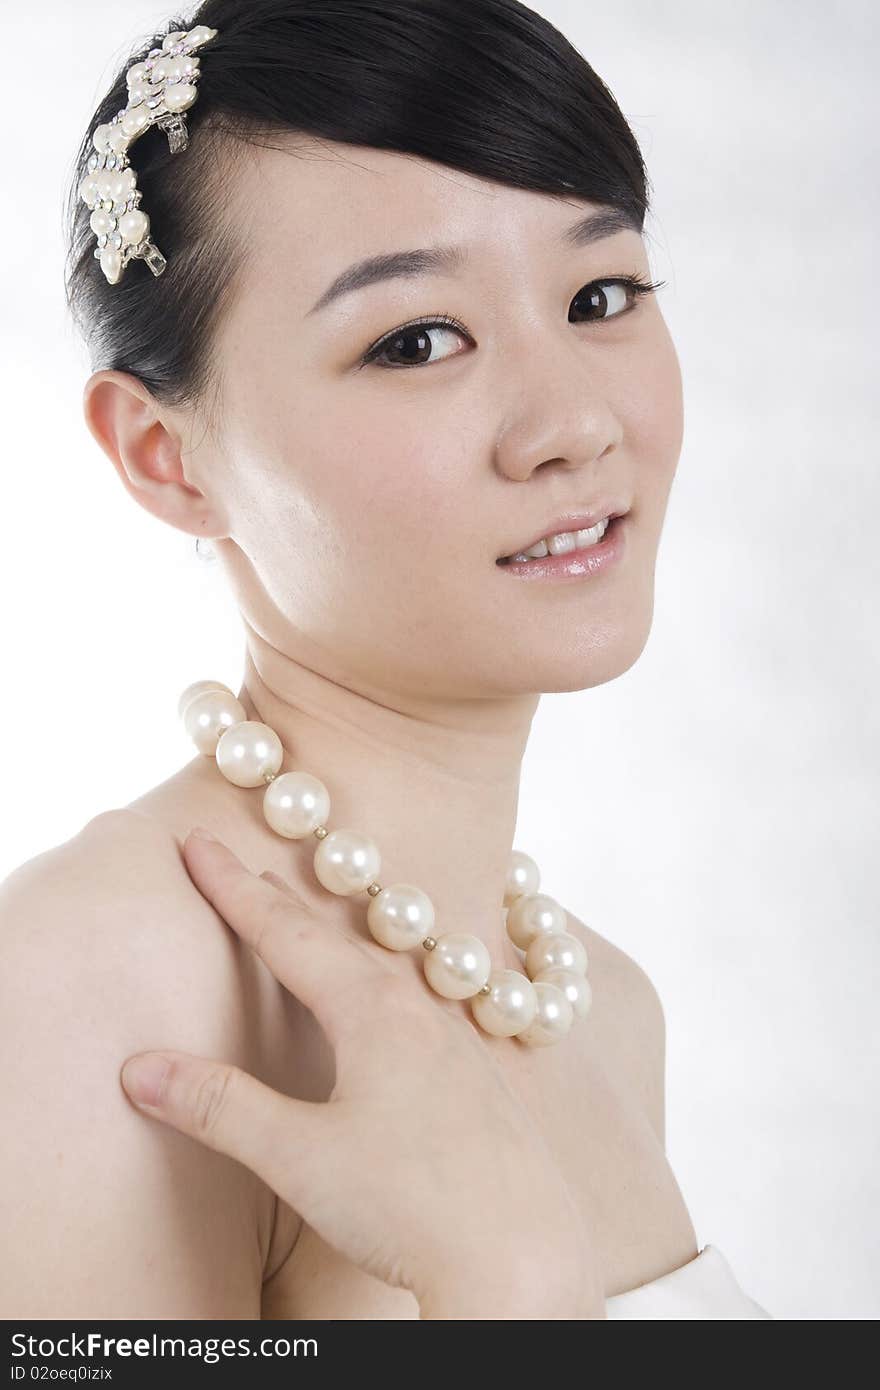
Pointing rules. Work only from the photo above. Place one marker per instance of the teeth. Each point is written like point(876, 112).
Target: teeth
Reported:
point(563, 542)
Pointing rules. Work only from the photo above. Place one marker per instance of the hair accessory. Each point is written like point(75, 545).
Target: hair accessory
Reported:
point(538, 1007)
point(160, 88)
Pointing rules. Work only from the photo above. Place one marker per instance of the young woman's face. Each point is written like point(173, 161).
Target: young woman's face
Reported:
point(370, 500)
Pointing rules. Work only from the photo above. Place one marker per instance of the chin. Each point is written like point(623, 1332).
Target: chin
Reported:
point(594, 656)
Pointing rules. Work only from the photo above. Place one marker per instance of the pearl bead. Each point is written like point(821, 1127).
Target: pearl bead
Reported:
point(534, 914)
point(574, 985)
point(136, 119)
point(523, 876)
point(134, 226)
point(199, 688)
point(100, 138)
point(347, 862)
point(552, 1020)
point(138, 72)
point(458, 966)
point(117, 140)
point(171, 39)
point(400, 917)
point(159, 71)
point(509, 1007)
point(199, 35)
point(120, 185)
point(295, 803)
point(179, 96)
point(138, 92)
point(182, 66)
point(88, 189)
point(207, 715)
point(111, 263)
point(247, 751)
point(101, 222)
point(555, 951)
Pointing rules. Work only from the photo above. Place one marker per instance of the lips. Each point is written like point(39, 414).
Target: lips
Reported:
point(580, 521)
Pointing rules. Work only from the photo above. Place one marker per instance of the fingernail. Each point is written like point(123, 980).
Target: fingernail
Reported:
point(202, 833)
point(143, 1077)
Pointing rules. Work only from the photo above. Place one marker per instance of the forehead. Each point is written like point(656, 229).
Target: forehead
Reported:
point(318, 205)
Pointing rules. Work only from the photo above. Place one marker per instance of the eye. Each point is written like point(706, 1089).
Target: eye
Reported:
point(413, 343)
point(599, 306)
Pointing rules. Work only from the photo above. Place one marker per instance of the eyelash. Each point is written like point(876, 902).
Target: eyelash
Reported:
point(635, 283)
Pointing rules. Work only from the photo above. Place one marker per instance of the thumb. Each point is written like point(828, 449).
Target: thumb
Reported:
point(230, 1111)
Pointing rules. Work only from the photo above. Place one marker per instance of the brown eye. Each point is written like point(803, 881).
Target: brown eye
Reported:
point(414, 345)
point(608, 299)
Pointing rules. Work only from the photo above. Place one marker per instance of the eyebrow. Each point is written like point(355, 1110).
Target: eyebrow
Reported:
point(446, 260)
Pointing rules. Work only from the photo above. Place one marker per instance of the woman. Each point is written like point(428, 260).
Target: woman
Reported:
point(405, 333)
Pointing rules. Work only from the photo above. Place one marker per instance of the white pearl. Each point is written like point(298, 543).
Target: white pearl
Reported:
point(138, 72)
point(111, 263)
point(534, 914)
point(208, 715)
point(247, 750)
point(555, 951)
point(100, 138)
point(347, 862)
point(199, 35)
point(574, 985)
point(117, 140)
point(171, 39)
point(179, 95)
point(523, 876)
point(159, 72)
point(552, 1020)
point(458, 966)
point(120, 185)
point(135, 119)
point(400, 917)
point(182, 66)
point(199, 688)
point(101, 222)
point(510, 1007)
point(88, 189)
point(134, 226)
point(139, 91)
point(295, 802)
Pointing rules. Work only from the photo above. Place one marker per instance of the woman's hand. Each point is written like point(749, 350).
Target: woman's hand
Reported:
point(423, 1168)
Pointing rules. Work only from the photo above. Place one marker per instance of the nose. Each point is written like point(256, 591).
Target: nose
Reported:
point(557, 413)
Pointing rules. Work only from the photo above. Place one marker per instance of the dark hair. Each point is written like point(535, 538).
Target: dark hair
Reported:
point(484, 86)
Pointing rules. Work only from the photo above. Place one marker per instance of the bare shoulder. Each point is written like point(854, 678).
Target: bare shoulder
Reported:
point(626, 1021)
point(106, 949)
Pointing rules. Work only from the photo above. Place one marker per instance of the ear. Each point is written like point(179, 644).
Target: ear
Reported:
point(145, 446)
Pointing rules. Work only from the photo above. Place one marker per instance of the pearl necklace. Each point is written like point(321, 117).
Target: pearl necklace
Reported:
point(537, 1008)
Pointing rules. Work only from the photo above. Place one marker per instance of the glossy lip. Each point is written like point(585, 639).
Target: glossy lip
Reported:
point(576, 564)
point(572, 521)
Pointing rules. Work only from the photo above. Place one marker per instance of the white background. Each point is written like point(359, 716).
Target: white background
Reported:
point(739, 755)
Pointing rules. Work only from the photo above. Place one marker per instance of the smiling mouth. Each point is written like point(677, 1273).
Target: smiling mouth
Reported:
point(562, 543)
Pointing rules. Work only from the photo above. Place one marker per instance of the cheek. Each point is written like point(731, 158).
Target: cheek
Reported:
point(392, 485)
point(654, 418)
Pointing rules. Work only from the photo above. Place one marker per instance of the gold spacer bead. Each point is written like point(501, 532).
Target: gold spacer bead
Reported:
point(320, 831)
point(487, 989)
point(269, 776)
point(429, 943)
point(374, 888)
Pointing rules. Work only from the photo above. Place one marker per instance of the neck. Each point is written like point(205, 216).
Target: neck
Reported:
point(434, 783)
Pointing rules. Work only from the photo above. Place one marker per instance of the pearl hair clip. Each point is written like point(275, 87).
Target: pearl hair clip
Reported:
point(160, 89)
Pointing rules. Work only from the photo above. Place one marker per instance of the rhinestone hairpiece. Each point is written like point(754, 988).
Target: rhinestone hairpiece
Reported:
point(160, 89)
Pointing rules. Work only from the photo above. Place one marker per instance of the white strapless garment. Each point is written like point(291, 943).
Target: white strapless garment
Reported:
point(706, 1287)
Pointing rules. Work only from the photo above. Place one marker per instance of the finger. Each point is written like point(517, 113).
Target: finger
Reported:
point(322, 966)
point(230, 1111)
